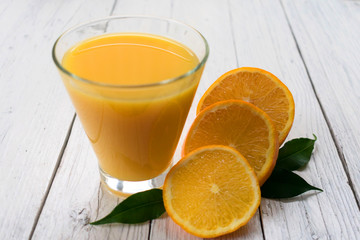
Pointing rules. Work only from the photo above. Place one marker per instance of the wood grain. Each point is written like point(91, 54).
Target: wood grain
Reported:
point(266, 41)
point(50, 185)
point(76, 198)
point(330, 48)
point(35, 113)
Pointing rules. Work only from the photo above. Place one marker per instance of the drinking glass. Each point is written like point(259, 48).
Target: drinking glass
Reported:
point(133, 128)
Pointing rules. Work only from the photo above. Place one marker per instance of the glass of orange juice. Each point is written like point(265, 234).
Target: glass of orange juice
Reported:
point(132, 80)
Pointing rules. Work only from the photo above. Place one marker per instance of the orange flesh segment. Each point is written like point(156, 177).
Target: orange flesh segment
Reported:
point(212, 191)
point(258, 87)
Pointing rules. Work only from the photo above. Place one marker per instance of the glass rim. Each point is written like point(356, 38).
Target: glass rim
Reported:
point(99, 84)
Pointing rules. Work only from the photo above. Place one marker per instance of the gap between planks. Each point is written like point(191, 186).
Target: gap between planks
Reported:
point(149, 233)
point(52, 177)
point(261, 222)
point(113, 8)
point(233, 35)
point(237, 64)
point(337, 145)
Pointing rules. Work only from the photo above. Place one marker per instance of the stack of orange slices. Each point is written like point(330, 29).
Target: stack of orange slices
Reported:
point(229, 152)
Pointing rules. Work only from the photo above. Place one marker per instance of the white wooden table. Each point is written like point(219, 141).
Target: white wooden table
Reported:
point(50, 186)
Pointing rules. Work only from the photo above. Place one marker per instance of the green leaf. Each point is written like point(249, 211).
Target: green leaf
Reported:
point(137, 208)
point(295, 153)
point(285, 184)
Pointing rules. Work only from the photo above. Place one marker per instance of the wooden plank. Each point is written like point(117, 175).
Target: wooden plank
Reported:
point(35, 112)
point(263, 39)
point(158, 8)
point(165, 228)
point(212, 19)
point(331, 49)
point(76, 196)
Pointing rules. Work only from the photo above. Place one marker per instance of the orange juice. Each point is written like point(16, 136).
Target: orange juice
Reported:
point(132, 104)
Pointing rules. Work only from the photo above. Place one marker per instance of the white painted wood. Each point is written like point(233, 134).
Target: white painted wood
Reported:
point(263, 39)
point(159, 8)
point(331, 50)
point(76, 199)
point(35, 112)
point(164, 228)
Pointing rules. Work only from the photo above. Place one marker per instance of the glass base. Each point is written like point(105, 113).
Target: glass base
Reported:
point(126, 188)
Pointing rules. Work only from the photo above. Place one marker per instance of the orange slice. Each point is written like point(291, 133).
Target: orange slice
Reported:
point(211, 192)
point(240, 125)
point(258, 87)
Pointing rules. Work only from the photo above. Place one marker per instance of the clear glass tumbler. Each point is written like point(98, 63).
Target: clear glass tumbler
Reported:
point(133, 124)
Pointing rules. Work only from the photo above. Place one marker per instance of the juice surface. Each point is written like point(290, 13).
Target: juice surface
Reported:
point(134, 131)
point(129, 59)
